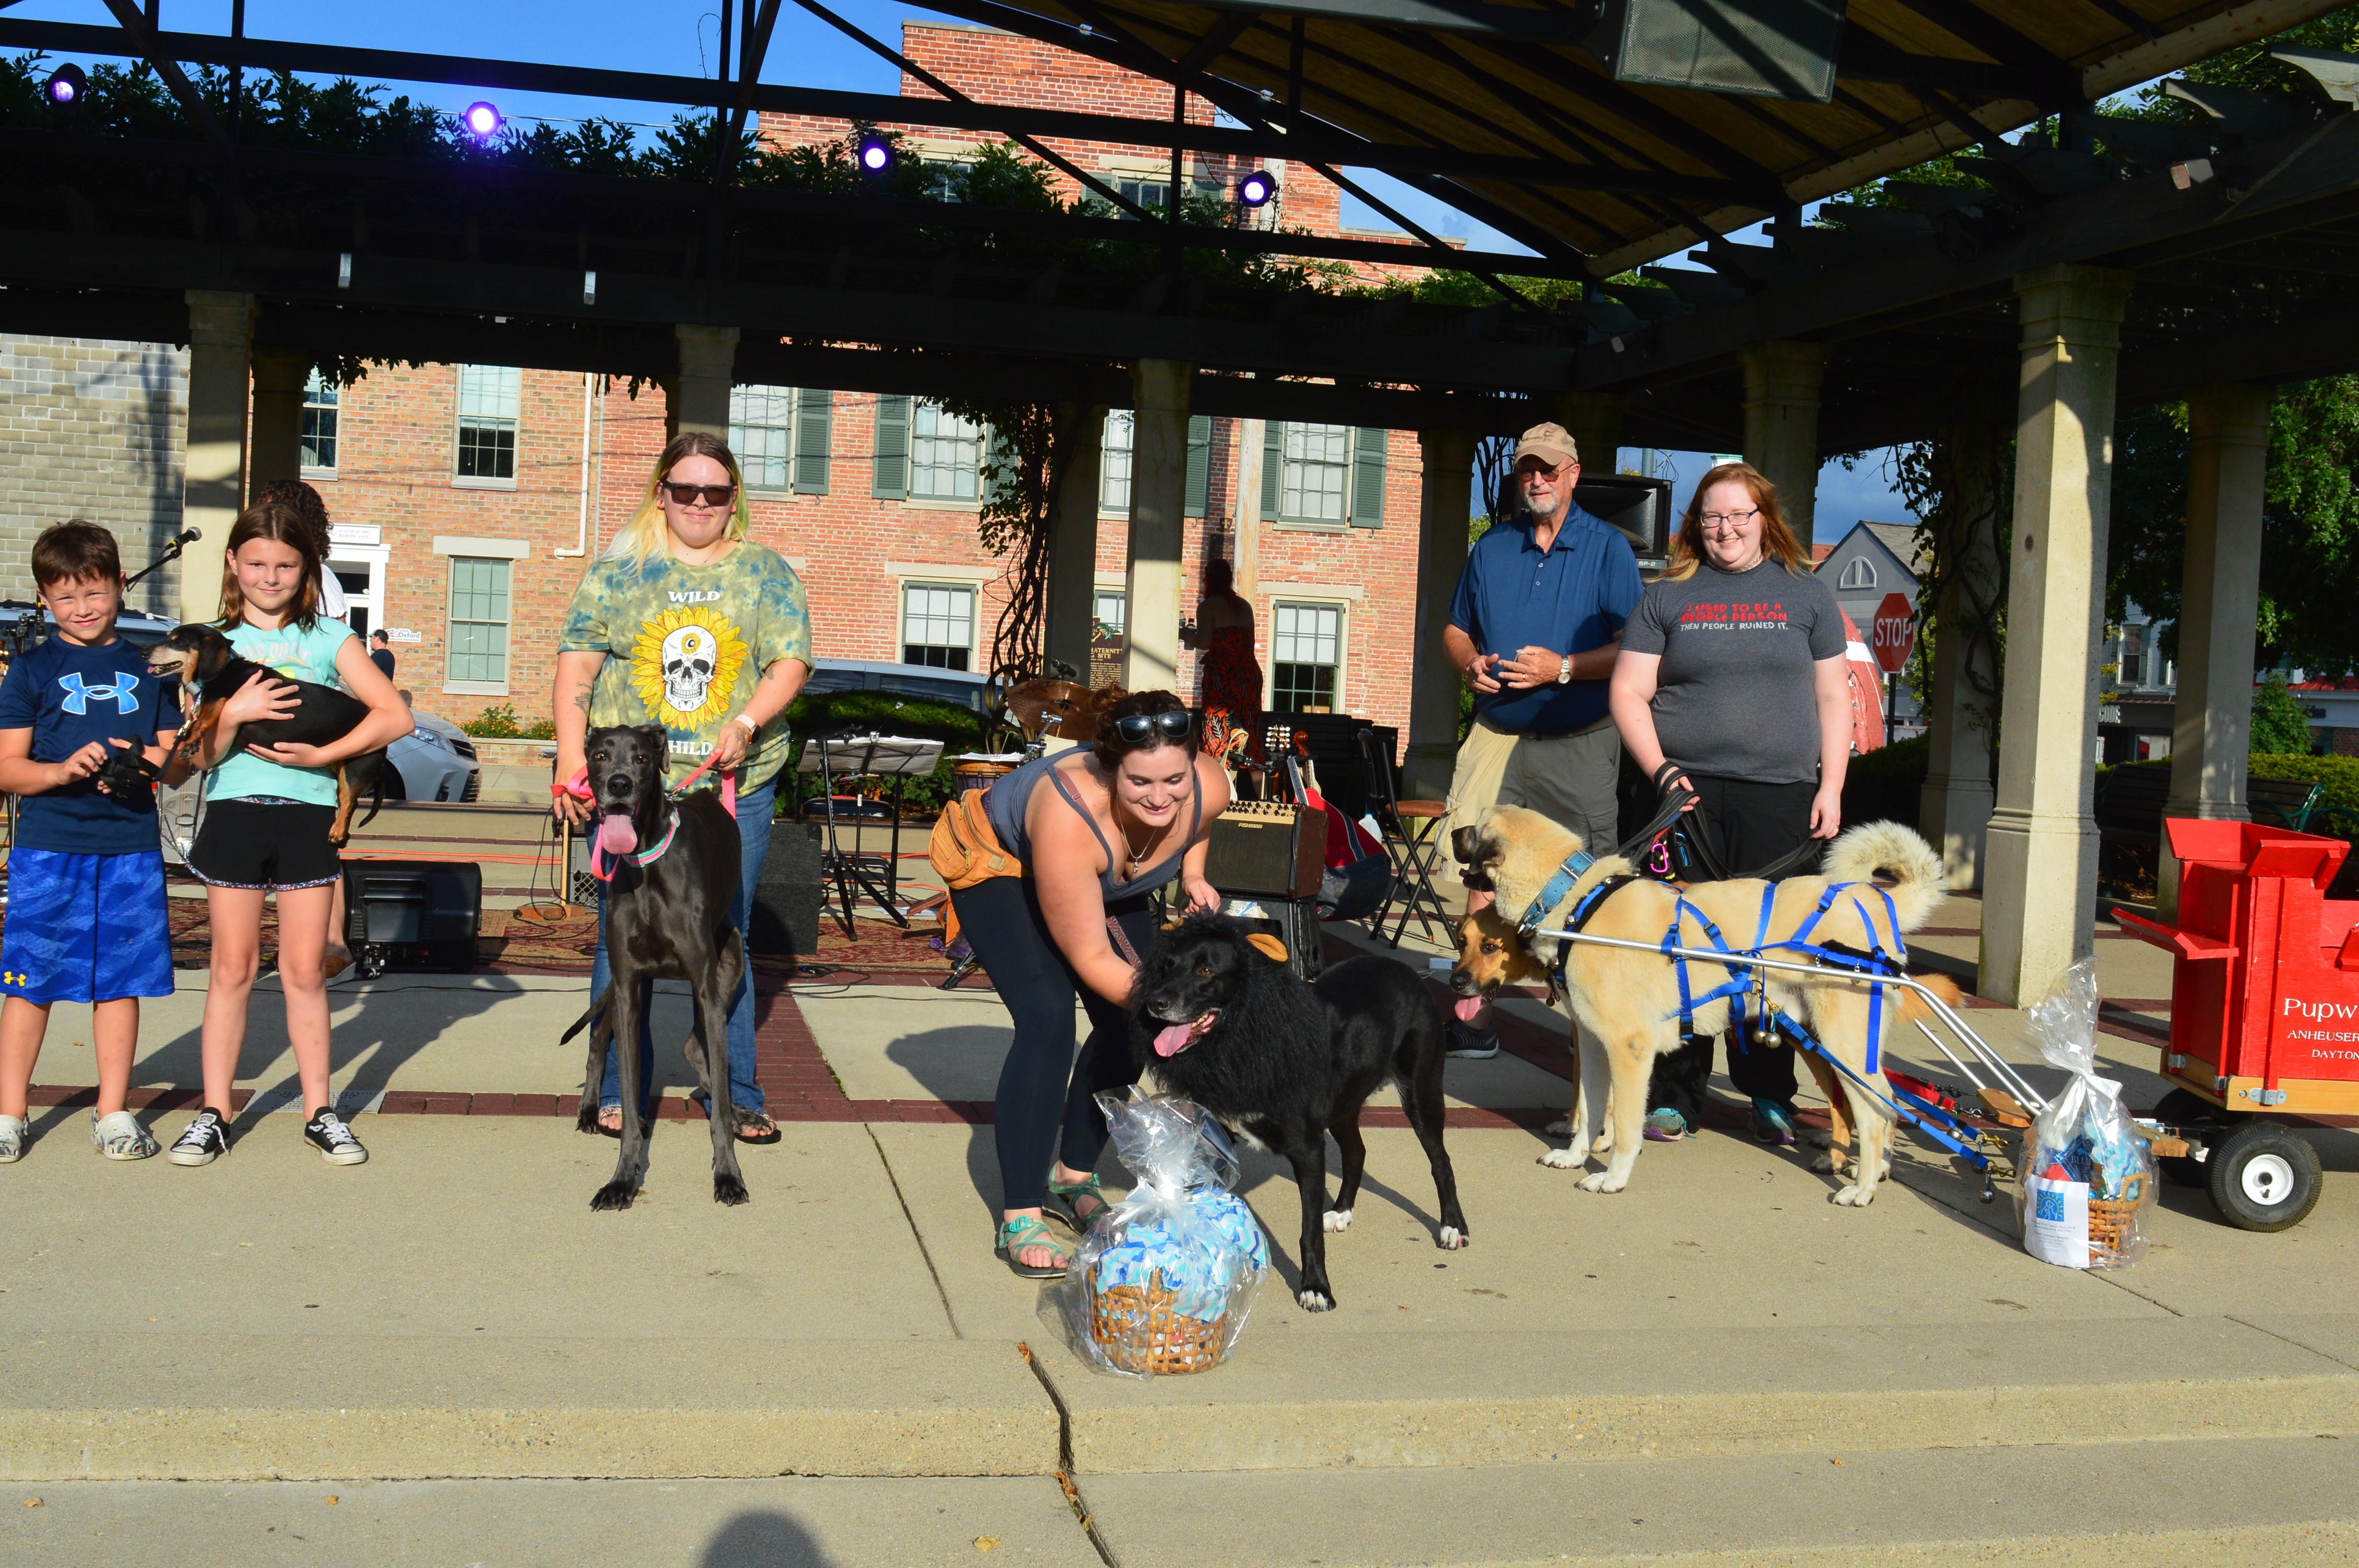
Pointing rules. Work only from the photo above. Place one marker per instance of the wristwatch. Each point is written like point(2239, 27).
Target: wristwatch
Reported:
point(1564, 671)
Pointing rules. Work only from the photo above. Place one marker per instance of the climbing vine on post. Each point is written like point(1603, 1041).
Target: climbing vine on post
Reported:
point(1024, 455)
point(1959, 486)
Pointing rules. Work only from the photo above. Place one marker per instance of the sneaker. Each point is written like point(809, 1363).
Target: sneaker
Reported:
point(1666, 1126)
point(203, 1141)
point(11, 1139)
point(1471, 1044)
point(333, 1139)
point(119, 1137)
point(1773, 1124)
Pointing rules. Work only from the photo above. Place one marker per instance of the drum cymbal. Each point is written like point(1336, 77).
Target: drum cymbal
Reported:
point(1033, 702)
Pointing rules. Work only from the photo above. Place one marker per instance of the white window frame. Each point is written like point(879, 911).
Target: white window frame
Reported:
point(1114, 453)
point(903, 643)
point(1120, 600)
point(1858, 573)
point(1341, 606)
point(782, 406)
point(1288, 463)
point(321, 398)
point(919, 414)
point(513, 422)
point(451, 622)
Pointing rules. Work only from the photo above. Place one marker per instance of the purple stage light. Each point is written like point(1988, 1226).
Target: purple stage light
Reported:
point(482, 121)
point(874, 153)
point(1256, 189)
point(66, 84)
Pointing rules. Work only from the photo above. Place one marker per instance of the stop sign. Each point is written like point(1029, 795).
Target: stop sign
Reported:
point(1894, 633)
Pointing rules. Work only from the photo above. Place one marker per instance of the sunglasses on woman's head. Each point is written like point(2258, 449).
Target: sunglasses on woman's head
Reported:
point(689, 495)
point(1137, 729)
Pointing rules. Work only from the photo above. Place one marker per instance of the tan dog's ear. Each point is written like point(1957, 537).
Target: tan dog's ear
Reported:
point(1268, 946)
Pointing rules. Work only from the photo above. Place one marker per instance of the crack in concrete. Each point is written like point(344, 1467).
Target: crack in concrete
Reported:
point(915, 1235)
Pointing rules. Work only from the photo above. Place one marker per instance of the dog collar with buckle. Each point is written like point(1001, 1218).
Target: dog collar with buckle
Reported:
point(1559, 886)
point(604, 870)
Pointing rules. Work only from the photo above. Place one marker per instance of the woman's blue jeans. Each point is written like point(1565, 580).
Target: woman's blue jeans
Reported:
point(754, 809)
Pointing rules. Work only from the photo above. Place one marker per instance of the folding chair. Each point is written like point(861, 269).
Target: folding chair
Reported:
point(1412, 840)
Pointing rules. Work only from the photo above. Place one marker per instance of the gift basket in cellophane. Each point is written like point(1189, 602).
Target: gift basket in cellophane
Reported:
point(2088, 1176)
point(1165, 1279)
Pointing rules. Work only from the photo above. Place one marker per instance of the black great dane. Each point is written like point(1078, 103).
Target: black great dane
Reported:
point(670, 870)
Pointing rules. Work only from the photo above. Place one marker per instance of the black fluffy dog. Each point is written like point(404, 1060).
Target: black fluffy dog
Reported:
point(205, 662)
point(1284, 1063)
point(667, 919)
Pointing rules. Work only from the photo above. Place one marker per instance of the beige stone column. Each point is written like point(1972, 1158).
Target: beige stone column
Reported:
point(700, 395)
point(1073, 536)
point(221, 335)
point(1781, 424)
point(1159, 493)
point(1247, 506)
point(2220, 597)
point(1595, 420)
point(2040, 893)
point(1954, 807)
point(1445, 498)
point(279, 376)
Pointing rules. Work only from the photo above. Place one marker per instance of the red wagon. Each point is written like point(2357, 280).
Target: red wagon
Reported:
point(2263, 1015)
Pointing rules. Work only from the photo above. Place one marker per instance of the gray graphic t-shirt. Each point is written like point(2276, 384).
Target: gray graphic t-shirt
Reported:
point(1734, 697)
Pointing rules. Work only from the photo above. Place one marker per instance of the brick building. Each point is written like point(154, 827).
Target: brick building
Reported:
point(467, 498)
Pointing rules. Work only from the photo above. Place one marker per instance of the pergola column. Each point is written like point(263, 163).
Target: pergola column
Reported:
point(279, 376)
point(1955, 807)
point(1594, 421)
point(1073, 536)
point(708, 362)
point(2227, 470)
point(221, 335)
point(2040, 892)
point(1444, 506)
point(1782, 423)
point(1159, 493)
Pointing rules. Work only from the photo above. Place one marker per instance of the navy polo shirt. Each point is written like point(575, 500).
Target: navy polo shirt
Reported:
point(1568, 598)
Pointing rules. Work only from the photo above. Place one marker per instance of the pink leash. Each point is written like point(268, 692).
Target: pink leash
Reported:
point(579, 787)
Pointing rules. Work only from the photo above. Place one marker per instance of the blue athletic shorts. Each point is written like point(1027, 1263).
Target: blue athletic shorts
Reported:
point(85, 927)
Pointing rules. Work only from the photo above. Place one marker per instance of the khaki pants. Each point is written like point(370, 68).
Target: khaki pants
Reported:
point(1474, 782)
point(1570, 779)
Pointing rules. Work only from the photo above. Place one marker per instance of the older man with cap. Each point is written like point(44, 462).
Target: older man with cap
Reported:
point(1534, 630)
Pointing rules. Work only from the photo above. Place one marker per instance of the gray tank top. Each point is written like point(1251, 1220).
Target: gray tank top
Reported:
point(1007, 800)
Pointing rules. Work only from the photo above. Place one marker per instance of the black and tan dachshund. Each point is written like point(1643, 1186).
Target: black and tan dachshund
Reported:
point(1221, 1023)
point(666, 918)
point(204, 661)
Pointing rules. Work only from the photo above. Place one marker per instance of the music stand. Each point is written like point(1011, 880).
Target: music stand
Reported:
point(840, 756)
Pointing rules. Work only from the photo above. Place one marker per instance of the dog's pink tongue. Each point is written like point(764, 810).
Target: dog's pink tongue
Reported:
point(1170, 1042)
point(616, 836)
point(1466, 1007)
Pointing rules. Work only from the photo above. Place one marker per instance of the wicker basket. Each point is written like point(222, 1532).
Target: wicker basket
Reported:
point(2111, 1221)
point(1139, 1330)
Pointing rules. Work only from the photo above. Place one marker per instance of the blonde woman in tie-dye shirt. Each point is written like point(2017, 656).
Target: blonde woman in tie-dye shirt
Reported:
point(685, 622)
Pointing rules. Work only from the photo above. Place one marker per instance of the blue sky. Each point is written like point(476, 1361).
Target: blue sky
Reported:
point(679, 39)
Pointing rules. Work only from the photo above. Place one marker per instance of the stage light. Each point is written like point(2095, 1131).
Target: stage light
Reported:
point(482, 121)
point(66, 84)
point(1256, 189)
point(874, 153)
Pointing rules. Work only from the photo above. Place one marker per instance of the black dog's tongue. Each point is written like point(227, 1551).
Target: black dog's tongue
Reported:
point(617, 835)
point(1176, 1038)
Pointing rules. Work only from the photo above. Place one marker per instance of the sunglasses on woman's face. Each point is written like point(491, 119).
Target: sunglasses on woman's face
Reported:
point(689, 495)
point(1137, 729)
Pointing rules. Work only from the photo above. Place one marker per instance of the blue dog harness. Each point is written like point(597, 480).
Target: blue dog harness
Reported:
point(1744, 978)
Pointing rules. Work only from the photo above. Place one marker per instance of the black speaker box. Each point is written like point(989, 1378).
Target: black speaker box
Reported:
point(1638, 506)
point(413, 914)
point(1763, 48)
point(786, 899)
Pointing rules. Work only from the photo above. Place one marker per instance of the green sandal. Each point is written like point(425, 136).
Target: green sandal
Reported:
point(1062, 1204)
point(1025, 1231)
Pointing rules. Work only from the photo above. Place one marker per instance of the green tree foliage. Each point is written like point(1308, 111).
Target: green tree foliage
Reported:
point(2279, 728)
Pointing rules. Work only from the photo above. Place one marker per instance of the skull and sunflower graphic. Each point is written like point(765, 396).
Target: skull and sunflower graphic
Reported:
point(685, 666)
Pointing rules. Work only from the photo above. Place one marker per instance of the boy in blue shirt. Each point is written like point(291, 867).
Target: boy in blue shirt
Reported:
point(86, 916)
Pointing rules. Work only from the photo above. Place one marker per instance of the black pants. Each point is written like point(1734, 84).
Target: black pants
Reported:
point(1041, 1088)
point(1747, 825)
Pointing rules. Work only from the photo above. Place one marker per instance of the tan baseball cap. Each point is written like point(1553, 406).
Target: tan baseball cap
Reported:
point(1552, 441)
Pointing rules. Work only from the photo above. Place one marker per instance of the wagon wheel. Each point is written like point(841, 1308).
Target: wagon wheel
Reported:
point(2264, 1177)
point(2184, 1107)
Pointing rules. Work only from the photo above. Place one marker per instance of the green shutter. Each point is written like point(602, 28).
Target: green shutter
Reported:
point(1273, 458)
point(1199, 466)
point(892, 448)
point(814, 437)
point(1368, 451)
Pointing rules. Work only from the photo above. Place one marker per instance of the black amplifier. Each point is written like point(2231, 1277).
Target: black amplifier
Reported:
point(412, 914)
point(1267, 848)
point(788, 897)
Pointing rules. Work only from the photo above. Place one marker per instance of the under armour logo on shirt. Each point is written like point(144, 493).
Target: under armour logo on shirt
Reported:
point(121, 693)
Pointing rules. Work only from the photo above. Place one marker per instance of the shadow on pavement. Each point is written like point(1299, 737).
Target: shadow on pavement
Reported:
point(762, 1539)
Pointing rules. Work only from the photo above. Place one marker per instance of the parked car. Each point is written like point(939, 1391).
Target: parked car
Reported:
point(959, 689)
